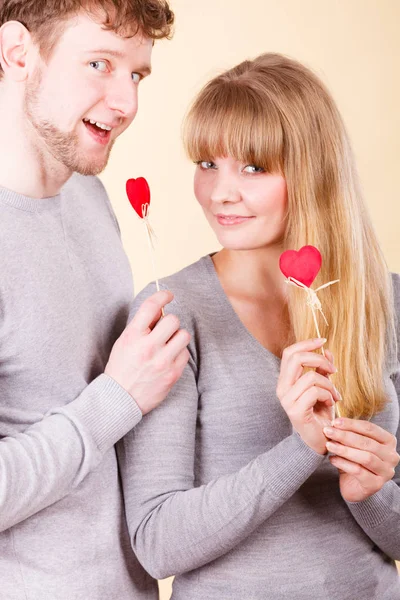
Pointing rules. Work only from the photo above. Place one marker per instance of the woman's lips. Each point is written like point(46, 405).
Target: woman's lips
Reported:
point(229, 220)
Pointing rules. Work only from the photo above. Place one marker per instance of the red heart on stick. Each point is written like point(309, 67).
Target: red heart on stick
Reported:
point(138, 192)
point(303, 265)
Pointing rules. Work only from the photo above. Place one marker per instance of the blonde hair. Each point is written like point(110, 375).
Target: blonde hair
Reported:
point(275, 113)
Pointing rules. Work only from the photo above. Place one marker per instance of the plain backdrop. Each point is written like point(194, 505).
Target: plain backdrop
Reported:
point(353, 45)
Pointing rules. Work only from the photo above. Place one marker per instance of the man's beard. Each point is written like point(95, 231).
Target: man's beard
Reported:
point(64, 147)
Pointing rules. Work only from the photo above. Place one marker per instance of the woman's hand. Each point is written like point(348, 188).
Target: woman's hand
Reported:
point(307, 398)
point(365, 455)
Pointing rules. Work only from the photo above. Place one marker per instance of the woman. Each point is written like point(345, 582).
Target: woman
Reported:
point(229, 484)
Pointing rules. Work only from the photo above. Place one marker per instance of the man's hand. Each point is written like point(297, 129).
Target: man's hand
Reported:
point(365, 455)
point(150, 355)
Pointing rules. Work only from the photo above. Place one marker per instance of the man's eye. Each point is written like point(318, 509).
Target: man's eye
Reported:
point(136, 77)
point(205, 164)
point(253, 169)
point(99, 65)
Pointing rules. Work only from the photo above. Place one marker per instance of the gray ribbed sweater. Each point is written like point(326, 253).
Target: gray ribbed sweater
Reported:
point(219, 490)
point(65, 292)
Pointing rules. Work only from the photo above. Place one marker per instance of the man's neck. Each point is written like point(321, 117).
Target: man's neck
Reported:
point(25, 167)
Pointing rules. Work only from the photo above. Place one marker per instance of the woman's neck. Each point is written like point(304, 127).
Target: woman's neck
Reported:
point(257, 292)
point(252, 273)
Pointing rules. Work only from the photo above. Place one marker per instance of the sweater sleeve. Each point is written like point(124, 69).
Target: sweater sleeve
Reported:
point(175, 526)
point(379, 515)
point(52, 457)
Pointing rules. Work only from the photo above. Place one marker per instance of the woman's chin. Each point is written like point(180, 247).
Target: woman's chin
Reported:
point(244, 245)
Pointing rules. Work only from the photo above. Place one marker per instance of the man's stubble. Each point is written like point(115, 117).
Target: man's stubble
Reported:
point(63, 146)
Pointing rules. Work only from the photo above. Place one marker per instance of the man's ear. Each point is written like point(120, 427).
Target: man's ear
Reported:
point(15, 40)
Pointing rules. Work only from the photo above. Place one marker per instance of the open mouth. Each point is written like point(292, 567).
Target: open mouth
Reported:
point(99, 131)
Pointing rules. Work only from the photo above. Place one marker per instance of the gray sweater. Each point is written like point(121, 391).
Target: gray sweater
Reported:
point(221, 492)
point(65, 293)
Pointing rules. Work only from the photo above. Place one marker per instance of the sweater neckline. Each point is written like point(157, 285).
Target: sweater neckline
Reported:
point(27, 203)
point(215, 283)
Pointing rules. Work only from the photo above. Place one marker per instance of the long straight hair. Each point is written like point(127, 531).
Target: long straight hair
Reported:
point(275, 113)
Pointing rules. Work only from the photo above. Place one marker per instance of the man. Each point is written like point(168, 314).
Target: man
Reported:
point(72, 380)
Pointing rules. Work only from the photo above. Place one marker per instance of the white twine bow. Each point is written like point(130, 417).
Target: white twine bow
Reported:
point(312, 300)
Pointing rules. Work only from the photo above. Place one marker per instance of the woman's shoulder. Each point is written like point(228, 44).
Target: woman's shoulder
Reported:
point(396, 301)
point(396, 290)
point(193, 281)
point(191, 287)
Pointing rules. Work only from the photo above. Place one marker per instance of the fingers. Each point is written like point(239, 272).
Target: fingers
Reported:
point(369, 481)
point(306, 346)
point(307, 381)
point(174, 347)
point(150, 311)
point(164, 330)
point(379, 458)
point(362, 442)
point(293, 363)
point(182, 360)
point(365, 428)
point(330, 358)
point(369, 461)
point(308, 400)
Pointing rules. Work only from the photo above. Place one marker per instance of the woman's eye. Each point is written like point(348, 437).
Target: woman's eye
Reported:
point(206, 164)
point(99, 65)
point(253, 169)
point(136, 77)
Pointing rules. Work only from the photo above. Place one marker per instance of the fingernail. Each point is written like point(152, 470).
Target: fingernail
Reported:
point(321, 340)
point(339, 395)
point(337, 422)
point(330, 446)
point(328, 430)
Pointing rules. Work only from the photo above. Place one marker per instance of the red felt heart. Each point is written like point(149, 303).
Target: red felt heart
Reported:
point(138, 192)
point(303, 265)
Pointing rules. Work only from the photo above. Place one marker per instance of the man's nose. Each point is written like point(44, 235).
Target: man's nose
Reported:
point(122, 98)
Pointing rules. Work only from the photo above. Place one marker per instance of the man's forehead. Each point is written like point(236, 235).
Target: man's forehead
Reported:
point(88, 34)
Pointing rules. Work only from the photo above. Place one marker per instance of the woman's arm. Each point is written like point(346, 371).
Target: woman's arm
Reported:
point(379, 514)
point(175, 527)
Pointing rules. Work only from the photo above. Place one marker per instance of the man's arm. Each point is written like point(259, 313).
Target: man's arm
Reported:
point(51, 458)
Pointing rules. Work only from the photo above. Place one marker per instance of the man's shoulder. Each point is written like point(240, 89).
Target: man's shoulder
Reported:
point(88, 184)
point(89, 194)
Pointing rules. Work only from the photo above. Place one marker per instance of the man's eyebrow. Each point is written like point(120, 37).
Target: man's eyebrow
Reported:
point(145, 69)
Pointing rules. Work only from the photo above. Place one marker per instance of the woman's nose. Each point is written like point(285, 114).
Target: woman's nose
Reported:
point(225, 190)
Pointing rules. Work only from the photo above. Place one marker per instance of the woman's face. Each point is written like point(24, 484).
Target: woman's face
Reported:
point(244, 205)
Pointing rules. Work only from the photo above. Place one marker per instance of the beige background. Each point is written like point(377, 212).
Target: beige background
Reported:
point(352, 44)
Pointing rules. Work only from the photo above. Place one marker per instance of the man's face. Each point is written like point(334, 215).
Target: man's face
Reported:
point(91, 77)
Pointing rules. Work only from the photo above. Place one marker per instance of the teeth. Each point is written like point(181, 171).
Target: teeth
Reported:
point(102, 126)
point(98, 124)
